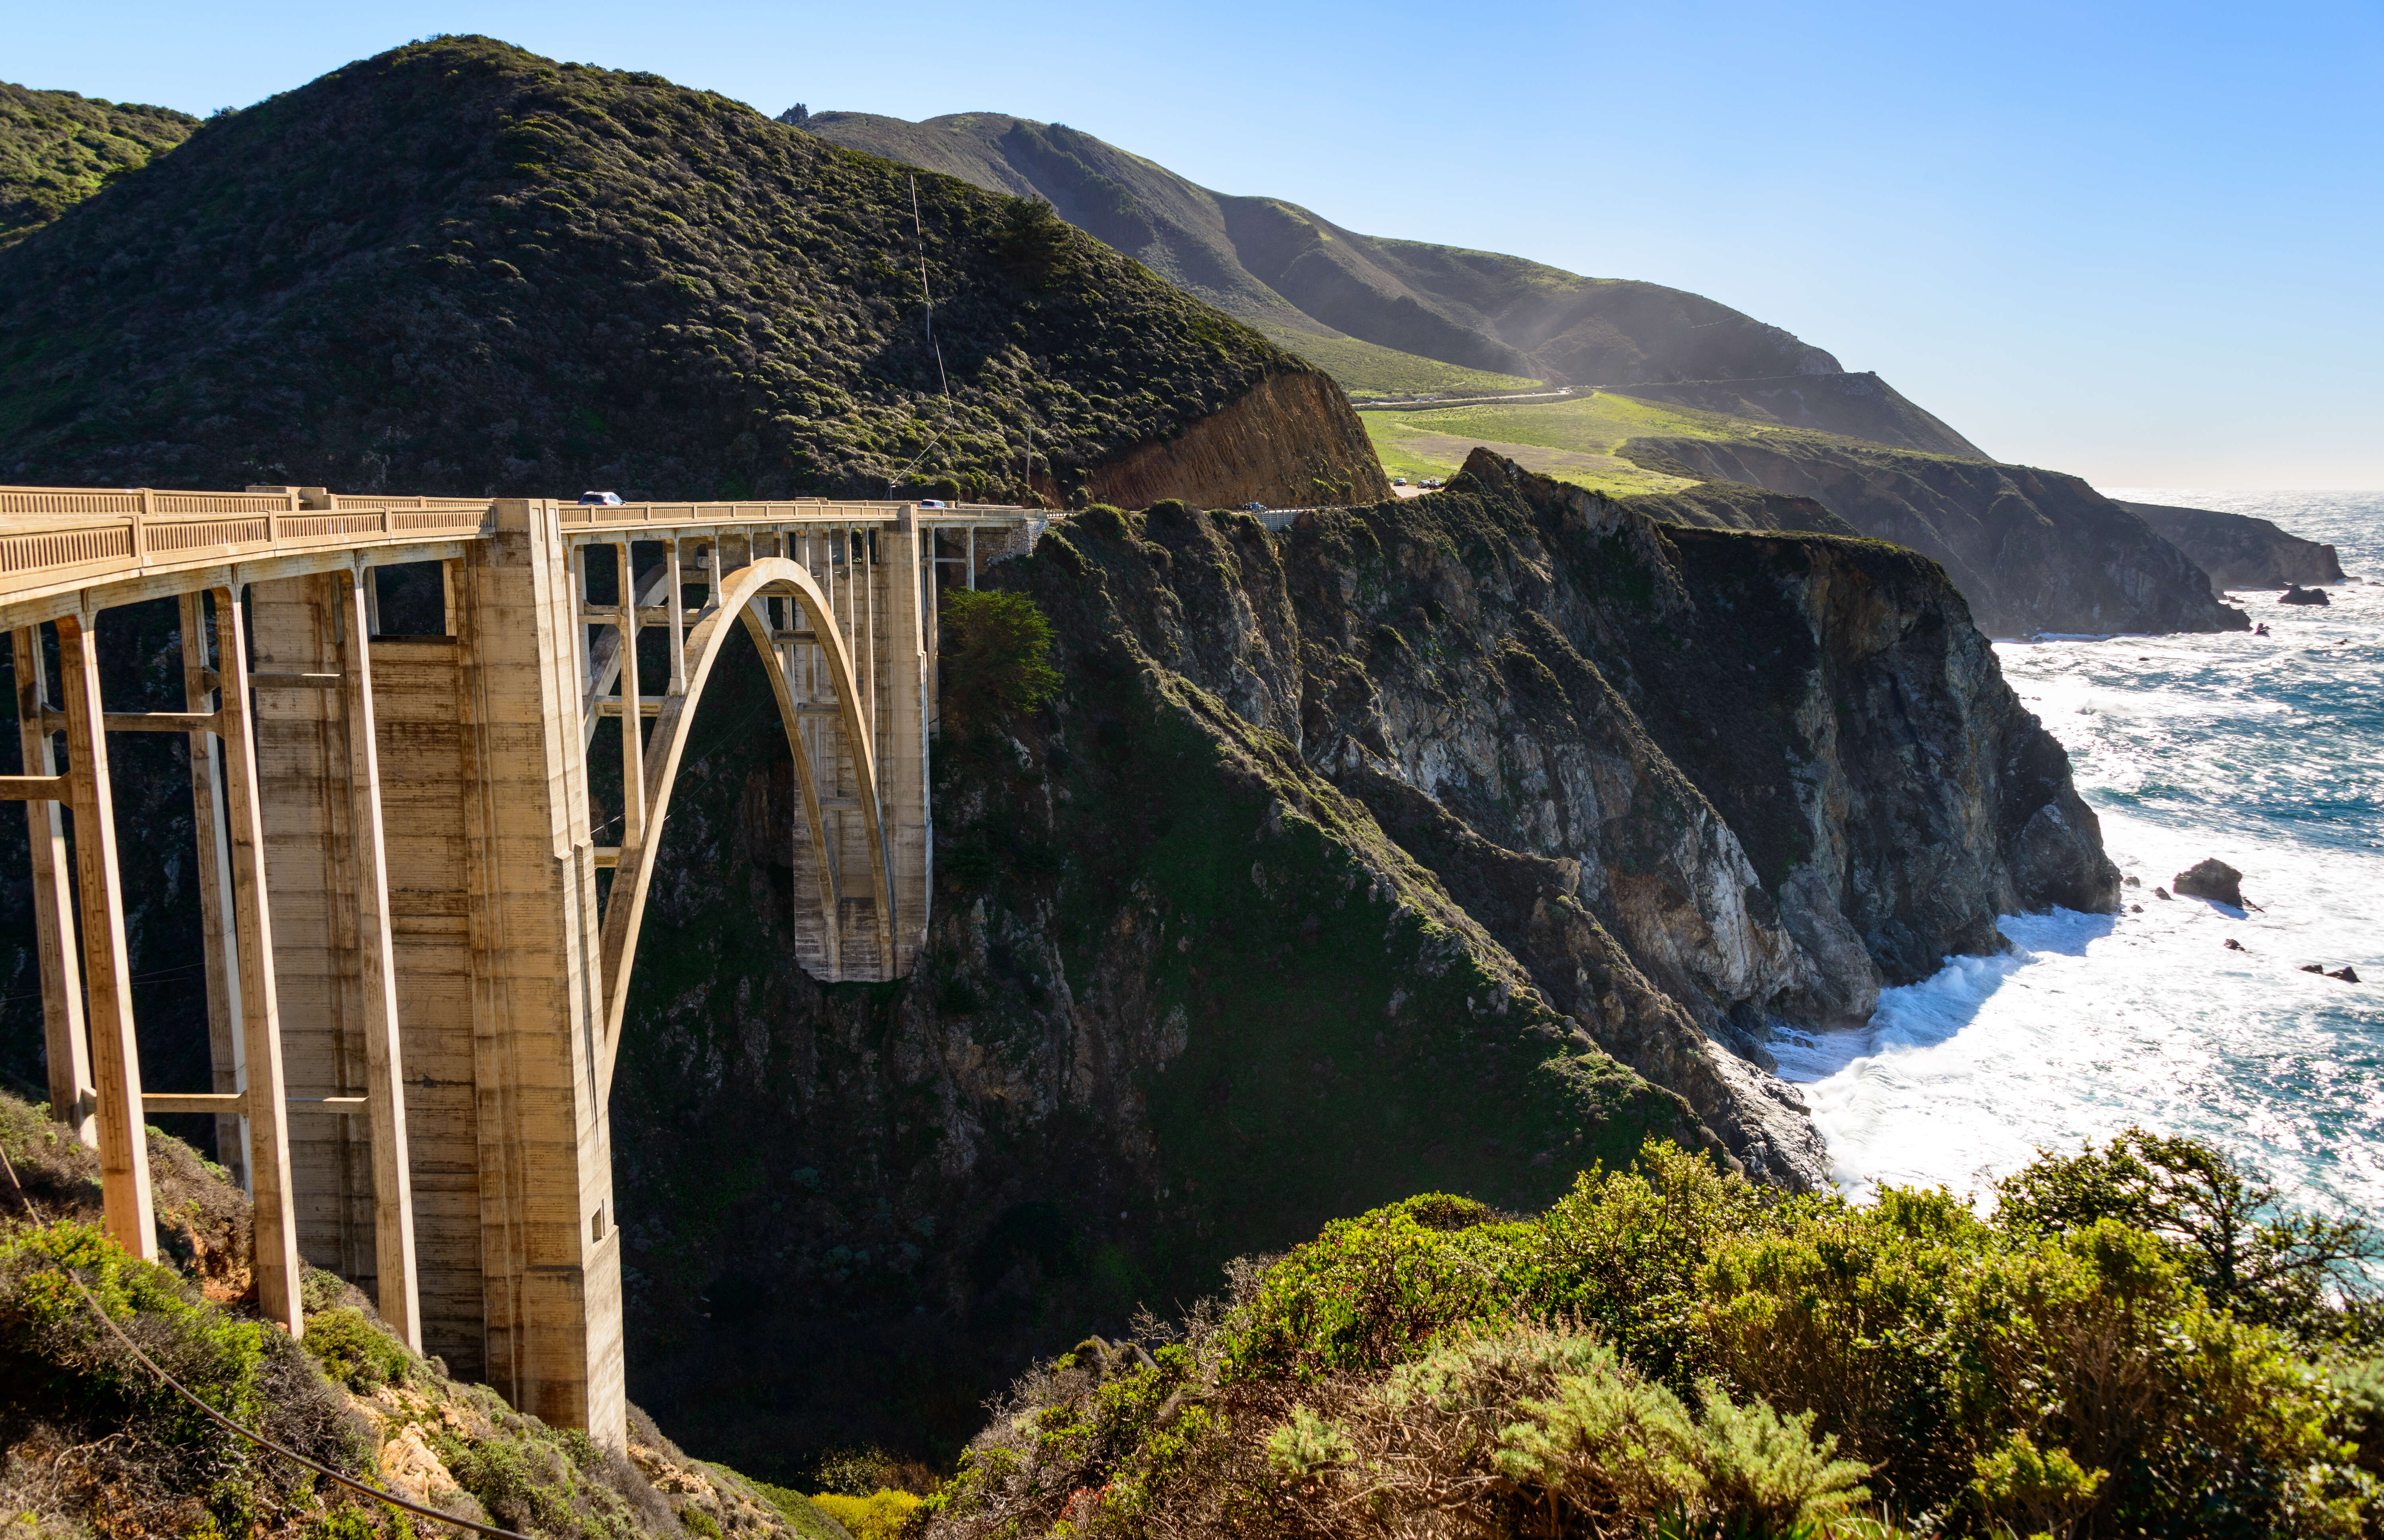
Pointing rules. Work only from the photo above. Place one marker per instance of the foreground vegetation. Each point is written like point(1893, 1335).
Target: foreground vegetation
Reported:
point(2136, 1341)
point(91, 1444)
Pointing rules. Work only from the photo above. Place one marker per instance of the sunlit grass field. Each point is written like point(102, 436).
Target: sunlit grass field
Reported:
point(1571, 440)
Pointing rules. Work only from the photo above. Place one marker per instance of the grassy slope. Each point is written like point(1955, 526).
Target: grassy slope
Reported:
point(1286, 270)
point(1364, 369)
point(1571, 440)
point(57, 148)
point(458, 267)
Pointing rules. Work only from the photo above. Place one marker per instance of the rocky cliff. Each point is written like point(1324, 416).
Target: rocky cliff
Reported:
point(1445, 843)
point(2031, 550)
point(2238, 551)
point(1289, 441)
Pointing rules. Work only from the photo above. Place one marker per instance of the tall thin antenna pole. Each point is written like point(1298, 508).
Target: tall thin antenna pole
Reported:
point(926, 304)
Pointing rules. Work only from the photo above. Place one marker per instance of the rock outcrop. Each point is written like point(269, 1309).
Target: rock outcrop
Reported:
point(2031, 550)
point(1290, 442)
point(2211, 879)
point(2237, 550)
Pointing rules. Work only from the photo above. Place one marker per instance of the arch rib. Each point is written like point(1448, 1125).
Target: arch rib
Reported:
point(831, 885)
point(633, 876)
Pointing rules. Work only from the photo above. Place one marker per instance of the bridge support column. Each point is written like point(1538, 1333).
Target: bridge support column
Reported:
point(264, 1134)
point(902, 665)
point(108, 972)
point(550, 1251)
point(329, 904)
point(226, 1051)
point(72, 1099)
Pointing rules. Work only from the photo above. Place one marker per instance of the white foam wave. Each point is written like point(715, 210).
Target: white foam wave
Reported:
point(2265, 752)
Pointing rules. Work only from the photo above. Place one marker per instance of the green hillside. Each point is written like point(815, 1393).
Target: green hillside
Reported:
point(458, 267)
point(57, 148)
point(1365, 370)
point(1287, 270)
point(1570, 440)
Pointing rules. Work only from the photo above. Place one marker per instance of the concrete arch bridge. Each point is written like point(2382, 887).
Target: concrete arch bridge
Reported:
point(419, 927)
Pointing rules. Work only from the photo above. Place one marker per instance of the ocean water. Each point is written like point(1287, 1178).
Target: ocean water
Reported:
point(2265, 752)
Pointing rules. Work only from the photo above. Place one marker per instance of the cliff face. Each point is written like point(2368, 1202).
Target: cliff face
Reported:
point(1735, 505)
point(1445, 843)
point(1290, 442)
point(2238, 551)
point(2031, 550)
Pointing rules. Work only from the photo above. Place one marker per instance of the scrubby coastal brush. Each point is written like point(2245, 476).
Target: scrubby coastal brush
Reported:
point(93, 1443)
point(460, 267)
point(1672, 1350)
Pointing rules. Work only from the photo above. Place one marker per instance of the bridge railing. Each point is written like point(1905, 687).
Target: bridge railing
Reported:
point(69, 538)
point(637, 515)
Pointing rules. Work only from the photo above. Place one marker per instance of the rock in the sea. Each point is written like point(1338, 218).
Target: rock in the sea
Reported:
point(2234, 945)
point(2212, 879)
point(2348, 974)
point(2160, 893)
point(2295, 594)
point(2131, 881)
point(2312, 968)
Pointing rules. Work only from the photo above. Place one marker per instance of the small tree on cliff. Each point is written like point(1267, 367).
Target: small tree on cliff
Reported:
point(996, 658)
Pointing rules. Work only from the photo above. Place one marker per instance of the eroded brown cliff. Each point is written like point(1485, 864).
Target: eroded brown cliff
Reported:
point(1289, 441)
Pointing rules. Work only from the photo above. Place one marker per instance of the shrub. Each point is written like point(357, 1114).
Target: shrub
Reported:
point(1670, 1350)
point(110, 1435)
point(883, 1514)
point(356, 1352)
point(2295, 1272)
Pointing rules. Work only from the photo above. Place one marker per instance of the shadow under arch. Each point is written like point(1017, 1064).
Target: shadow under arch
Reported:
point(741, 593)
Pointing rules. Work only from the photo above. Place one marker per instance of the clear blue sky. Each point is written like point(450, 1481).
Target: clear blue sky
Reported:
point(2142, 242)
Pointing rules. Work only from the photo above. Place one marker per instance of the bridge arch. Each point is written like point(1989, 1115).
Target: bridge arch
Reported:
point(395, 829)
point(739, 603)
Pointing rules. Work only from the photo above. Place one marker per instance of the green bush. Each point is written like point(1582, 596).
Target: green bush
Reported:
point(882, 1515)
point(108, 1429)
point(1673, 1350)
point(996, 658)
point(356, 1352)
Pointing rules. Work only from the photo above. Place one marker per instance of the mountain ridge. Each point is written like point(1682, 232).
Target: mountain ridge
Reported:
point(1302, 279)
point(459, 267)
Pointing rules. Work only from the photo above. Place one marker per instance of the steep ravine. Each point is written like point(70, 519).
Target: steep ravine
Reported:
point(1452, 844)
